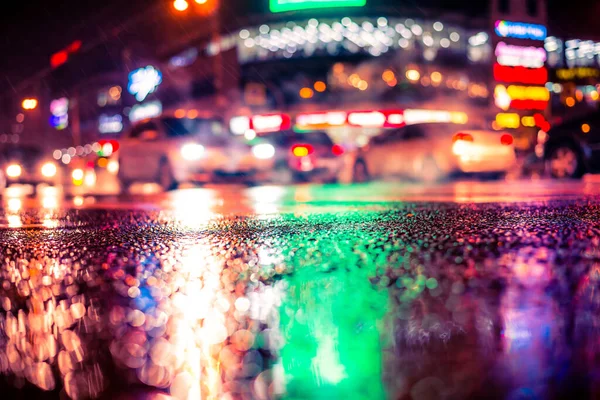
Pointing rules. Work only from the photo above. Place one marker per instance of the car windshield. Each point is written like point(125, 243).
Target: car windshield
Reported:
point(288, 138)
point(182, 127)
point(23, 154)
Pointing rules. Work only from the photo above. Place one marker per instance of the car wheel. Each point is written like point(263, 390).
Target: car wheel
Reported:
point(565, 162)
point(360, 173)
point(3, 182)
point(496, 176)
point(283, 175)
point(125, 185)
point(165, 179)
point(430, 171)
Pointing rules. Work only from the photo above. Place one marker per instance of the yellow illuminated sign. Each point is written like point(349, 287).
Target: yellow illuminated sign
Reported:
point(528, 93)
point(528, 121)
point(568, 74)
point(508, 120)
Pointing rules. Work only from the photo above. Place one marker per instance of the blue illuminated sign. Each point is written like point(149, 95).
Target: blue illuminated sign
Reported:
point(144, 81)
point(520, 30)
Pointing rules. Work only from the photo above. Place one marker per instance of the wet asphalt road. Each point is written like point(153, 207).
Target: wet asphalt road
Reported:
point(460, 291)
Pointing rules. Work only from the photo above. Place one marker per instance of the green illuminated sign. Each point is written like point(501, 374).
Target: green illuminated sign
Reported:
point(294, 5)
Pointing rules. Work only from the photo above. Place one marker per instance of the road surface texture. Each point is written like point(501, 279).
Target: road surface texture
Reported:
point(378, 291)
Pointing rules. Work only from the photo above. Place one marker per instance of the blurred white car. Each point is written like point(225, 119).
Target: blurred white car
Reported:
point(169, 150)
point(28, 165)
point(433, 151)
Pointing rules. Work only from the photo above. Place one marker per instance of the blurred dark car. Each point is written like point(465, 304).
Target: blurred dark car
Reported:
point(304, 157)
point(28, 165)
point(572, 147)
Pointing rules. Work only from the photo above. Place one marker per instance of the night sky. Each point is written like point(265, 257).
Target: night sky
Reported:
point(32, 30)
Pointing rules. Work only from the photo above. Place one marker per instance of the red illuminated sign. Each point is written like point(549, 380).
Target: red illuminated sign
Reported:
point(113, 143)
point(270, 123)
point(536, 76)
point(529, 104)
point(59, 58)
point(541, 122)
point(73, 47)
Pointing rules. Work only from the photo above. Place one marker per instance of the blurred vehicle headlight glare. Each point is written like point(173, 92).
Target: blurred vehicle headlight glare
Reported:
point(77, 174)
point(90, 178)
point(192, 151)
point(49, 170)
point(113, 167)
point(460, 147)
point(263, 151)
point(14, 171)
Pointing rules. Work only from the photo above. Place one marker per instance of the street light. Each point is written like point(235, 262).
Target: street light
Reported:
point(29, 104)
point(180, 5)
point(201, 7)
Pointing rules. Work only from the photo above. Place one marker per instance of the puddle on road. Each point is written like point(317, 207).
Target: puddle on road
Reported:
point(419, 302)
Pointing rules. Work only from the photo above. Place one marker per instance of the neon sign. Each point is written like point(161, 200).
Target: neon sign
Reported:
point(59, 109)
point(144, 81)
point(529, 104)
point(321, 119)
point(413, 116)
point(110, 123)
point(399, 118)
point(519, 56)
point(521, 97)
point(528, 92)
point(377, 118)
point(534, 76)
point(239, 125)
point(145, 110)
point(508, 120)
point(270, 123)
point(577, 73)
point(294, 5)
point(520, 30)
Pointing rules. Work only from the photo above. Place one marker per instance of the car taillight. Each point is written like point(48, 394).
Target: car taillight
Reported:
point(462, 136)
point(506, 139)
point(337, 150)
point(302, 150)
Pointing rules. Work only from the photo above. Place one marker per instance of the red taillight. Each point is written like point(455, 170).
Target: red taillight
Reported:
point(302, 150)
point(462, 136)
point(337, 150)
point(506, 139)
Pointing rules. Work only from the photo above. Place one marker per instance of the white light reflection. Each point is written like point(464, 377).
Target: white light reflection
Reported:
point(266, 200)
point(195, 207)
point(14, 205)
point(14, 221)
point(50, 202)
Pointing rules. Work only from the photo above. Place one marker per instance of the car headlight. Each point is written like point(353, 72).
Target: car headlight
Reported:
point(192, 151)
point(263, 151)
point(13, 171)
point(460, 147)
point(49, 170)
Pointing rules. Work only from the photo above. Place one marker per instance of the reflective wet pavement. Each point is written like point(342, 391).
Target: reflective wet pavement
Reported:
point(304, 293)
